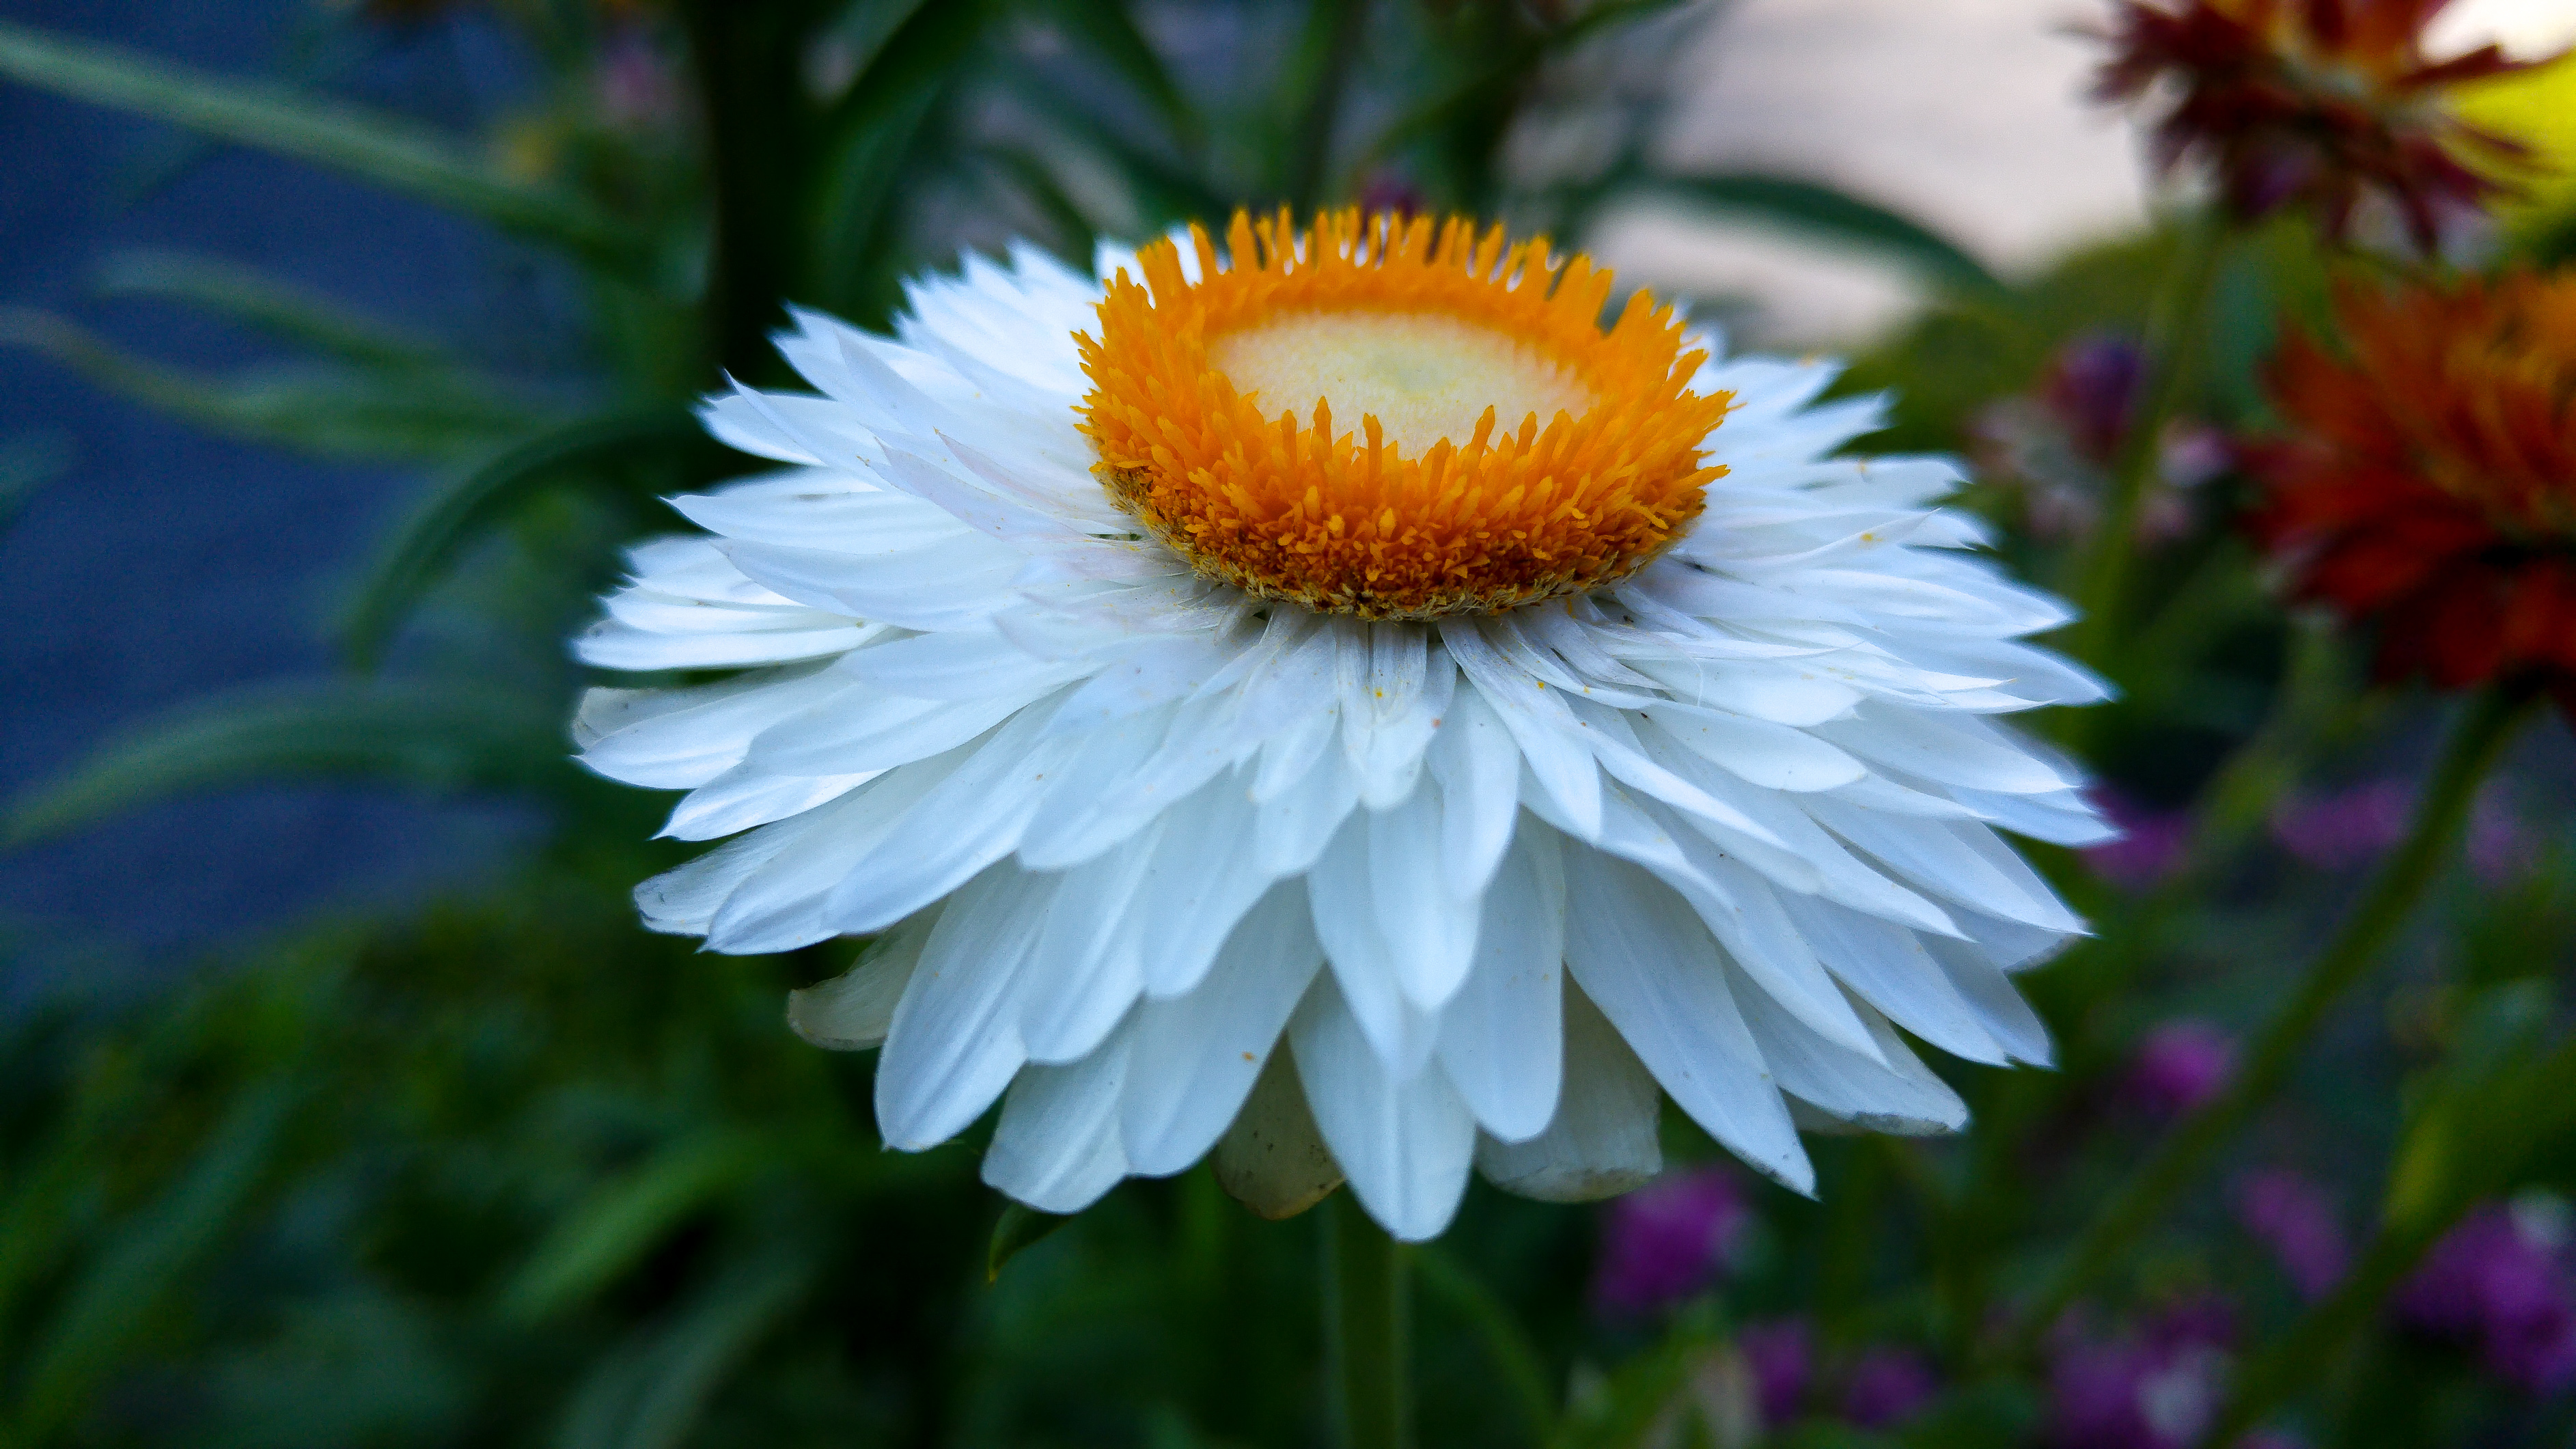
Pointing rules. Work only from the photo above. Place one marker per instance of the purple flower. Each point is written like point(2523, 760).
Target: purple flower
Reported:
point(1887, 1386)
point(2500, 846)
point(2152, 1390)
point(1668, 1240)
point(638, 90)
point(2151, 846)
point(2179, 1065)
point(2348, 828)
point(1782, 1356)
point(2094, 386)
point(2499, 1281)
point(2296, 1220)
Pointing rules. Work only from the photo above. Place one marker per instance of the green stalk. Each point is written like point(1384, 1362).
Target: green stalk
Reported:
point(2487, 723)
point(2297, 1359)
point(2177, 337)
point(1330, 47)
point(1367, 1327)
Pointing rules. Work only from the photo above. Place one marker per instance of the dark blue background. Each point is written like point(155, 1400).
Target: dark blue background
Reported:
point(167, 563)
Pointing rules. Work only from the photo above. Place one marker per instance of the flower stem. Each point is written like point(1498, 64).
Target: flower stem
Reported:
point(2176, 337)
point(1367, 1327)
point(2298, 1358)
point(2487, 723)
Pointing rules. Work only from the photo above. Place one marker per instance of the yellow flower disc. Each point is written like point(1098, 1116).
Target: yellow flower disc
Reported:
point(1509, 449)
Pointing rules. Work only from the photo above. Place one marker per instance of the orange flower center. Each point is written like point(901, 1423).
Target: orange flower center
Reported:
point(1509, 449)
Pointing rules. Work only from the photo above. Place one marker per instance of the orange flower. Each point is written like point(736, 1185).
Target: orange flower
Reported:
point(1509, 449)
point(2429, 484)
point(2318, 102)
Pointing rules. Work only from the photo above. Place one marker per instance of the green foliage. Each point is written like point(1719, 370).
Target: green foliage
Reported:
point(1824, 214)
point(377, 149)
point(445, 737)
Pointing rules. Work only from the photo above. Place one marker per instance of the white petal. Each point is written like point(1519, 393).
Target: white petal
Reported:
point(1603, 1139)
point(1478, 770)
point(1406, 1144)
point(972, 818)
point(1430, 935)
point(951, 585)
point(1500, 1041)
point(1366, 963)
point(1639, 953)
point(682, 738)
point(1198, 1055)
point(684, 901)
point(739, 799)
point(1549, 737)
point(781, 905)
point(1085, 972)
point(1056, 1147)
point(1774, 756)
point(616, 644)
point(850, 731)
point(1893, 1094)
point(954, 1043)
point(1202, 879)
point(1293, 828)
point(1960, 861)
point(1999, 1008)
point(1951, 750)
point(1888, 967)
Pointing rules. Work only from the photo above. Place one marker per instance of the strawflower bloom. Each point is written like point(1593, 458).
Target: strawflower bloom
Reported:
point(2315, 102)
point(2428, 481)
point(1339, 638)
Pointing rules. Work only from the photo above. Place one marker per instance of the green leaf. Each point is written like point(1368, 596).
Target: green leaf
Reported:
point(1516, 1359)
point(1021, 1227)
point(1109, 30)
point(28, 463)
point(867, 139)
point(1825, 214)
point(1037, 181)
point(1627, 1409)
point(651, 1394)
point(256, 299)
point(1166, 193)
point(115, 1296)
point(381, 149)
point(447, 735)
point(625, 1219)
point(461, 509)
point(324, 409)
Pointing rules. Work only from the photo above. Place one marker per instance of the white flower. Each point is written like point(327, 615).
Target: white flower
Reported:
point(1127, 821)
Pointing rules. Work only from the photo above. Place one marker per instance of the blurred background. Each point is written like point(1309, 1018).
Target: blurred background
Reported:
point(342, 345)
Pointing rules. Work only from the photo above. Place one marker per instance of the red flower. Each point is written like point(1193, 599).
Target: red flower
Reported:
point(2312, 101)
point(2429, 482)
